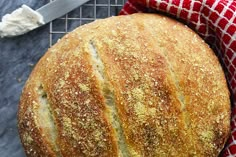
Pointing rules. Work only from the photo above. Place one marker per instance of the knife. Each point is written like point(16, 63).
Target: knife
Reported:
point(25, 19)
point(58, 8)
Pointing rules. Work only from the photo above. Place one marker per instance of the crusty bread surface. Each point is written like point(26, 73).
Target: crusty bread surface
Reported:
point(141, 85)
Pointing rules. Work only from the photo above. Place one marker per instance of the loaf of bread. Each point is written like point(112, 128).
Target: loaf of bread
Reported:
point(141, 85)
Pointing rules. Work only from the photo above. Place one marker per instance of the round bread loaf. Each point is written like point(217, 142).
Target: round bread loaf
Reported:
point(141, 85)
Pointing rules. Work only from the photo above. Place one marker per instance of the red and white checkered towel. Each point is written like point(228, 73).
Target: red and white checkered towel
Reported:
point(215, 22)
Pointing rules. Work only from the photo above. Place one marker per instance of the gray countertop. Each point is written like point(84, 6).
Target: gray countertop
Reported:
point(18, 56)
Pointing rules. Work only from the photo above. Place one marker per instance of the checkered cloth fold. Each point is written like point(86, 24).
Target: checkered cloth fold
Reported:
point(215, 22)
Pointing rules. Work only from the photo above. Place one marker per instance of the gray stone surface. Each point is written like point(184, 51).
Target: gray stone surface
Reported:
point(18, 55)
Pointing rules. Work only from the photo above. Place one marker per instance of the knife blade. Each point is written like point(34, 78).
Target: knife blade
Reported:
point(58, 8)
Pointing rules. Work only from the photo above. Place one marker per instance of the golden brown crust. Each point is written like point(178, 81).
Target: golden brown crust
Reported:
point(137, 85)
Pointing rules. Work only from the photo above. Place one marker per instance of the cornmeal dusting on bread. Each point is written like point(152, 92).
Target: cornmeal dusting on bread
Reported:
point(126, 87)
point(138, 94)
point(67, 124)
point(28, 139)
point(84, 87)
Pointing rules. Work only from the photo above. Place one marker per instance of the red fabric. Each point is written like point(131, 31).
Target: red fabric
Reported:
point(215, 22)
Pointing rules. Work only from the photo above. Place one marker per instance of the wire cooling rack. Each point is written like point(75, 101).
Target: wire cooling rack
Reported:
point(88, 12)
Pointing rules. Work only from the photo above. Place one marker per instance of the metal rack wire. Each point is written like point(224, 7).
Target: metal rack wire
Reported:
point(90, 11)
